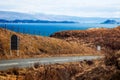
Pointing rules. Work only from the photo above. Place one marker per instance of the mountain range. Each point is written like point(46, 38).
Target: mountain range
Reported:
point(9, 15)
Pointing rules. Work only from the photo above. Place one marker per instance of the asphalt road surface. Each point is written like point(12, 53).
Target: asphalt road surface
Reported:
point(20, 63)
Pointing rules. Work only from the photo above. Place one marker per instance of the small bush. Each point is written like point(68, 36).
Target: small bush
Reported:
point(36, 65)
point(112, 59)
point(89, 62)
point(115, 76)
point(15, 71)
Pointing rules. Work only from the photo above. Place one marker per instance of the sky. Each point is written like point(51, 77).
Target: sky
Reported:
point(81, 8)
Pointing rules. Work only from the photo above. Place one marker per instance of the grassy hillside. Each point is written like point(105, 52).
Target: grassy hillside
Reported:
point(33, 46)
point(107, 38)
point(107, 68)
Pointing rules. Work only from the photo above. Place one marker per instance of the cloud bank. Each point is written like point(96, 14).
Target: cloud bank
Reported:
point(81, 8)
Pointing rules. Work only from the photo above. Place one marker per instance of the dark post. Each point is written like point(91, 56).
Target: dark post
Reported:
point(14, 43)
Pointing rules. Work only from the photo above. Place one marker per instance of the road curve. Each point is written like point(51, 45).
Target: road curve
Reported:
point(20, 63)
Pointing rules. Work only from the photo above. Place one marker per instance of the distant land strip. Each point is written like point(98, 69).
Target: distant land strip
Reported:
point(33, 21)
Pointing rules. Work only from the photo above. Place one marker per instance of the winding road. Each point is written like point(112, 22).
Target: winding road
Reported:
point(20, 63)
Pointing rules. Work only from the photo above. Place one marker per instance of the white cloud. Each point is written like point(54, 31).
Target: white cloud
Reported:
point(90, 8)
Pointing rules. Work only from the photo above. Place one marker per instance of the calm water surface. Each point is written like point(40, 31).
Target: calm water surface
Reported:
point(46, 29)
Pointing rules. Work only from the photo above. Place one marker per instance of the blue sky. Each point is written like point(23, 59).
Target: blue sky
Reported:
point(82, 8)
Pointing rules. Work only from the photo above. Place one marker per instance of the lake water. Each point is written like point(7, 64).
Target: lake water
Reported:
point(46, 29)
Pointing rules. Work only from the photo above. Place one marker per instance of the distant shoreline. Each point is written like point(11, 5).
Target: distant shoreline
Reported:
point(33, 21)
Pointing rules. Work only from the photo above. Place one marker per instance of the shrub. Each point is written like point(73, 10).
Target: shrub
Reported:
point(15, 71)
point(36, 65)
point(112, 58)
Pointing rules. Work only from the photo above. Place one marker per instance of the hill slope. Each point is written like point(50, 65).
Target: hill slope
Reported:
point(32, 46)
point(107, 38)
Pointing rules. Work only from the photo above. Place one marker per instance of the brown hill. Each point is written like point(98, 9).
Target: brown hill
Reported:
point(33, 46)
point(107, 38)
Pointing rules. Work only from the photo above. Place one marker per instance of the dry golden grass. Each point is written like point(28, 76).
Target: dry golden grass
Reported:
point(107, 68)
point(66, 71)
point(107, 38)
point(38, 46)
point(83, 70)
point(103, 69)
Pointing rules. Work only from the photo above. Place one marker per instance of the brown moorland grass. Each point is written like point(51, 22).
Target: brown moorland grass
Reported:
point(102, 69)
point(108, 70)
point(107, 38)
point(83, 70)
point(66, 71)
point(38, 46)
